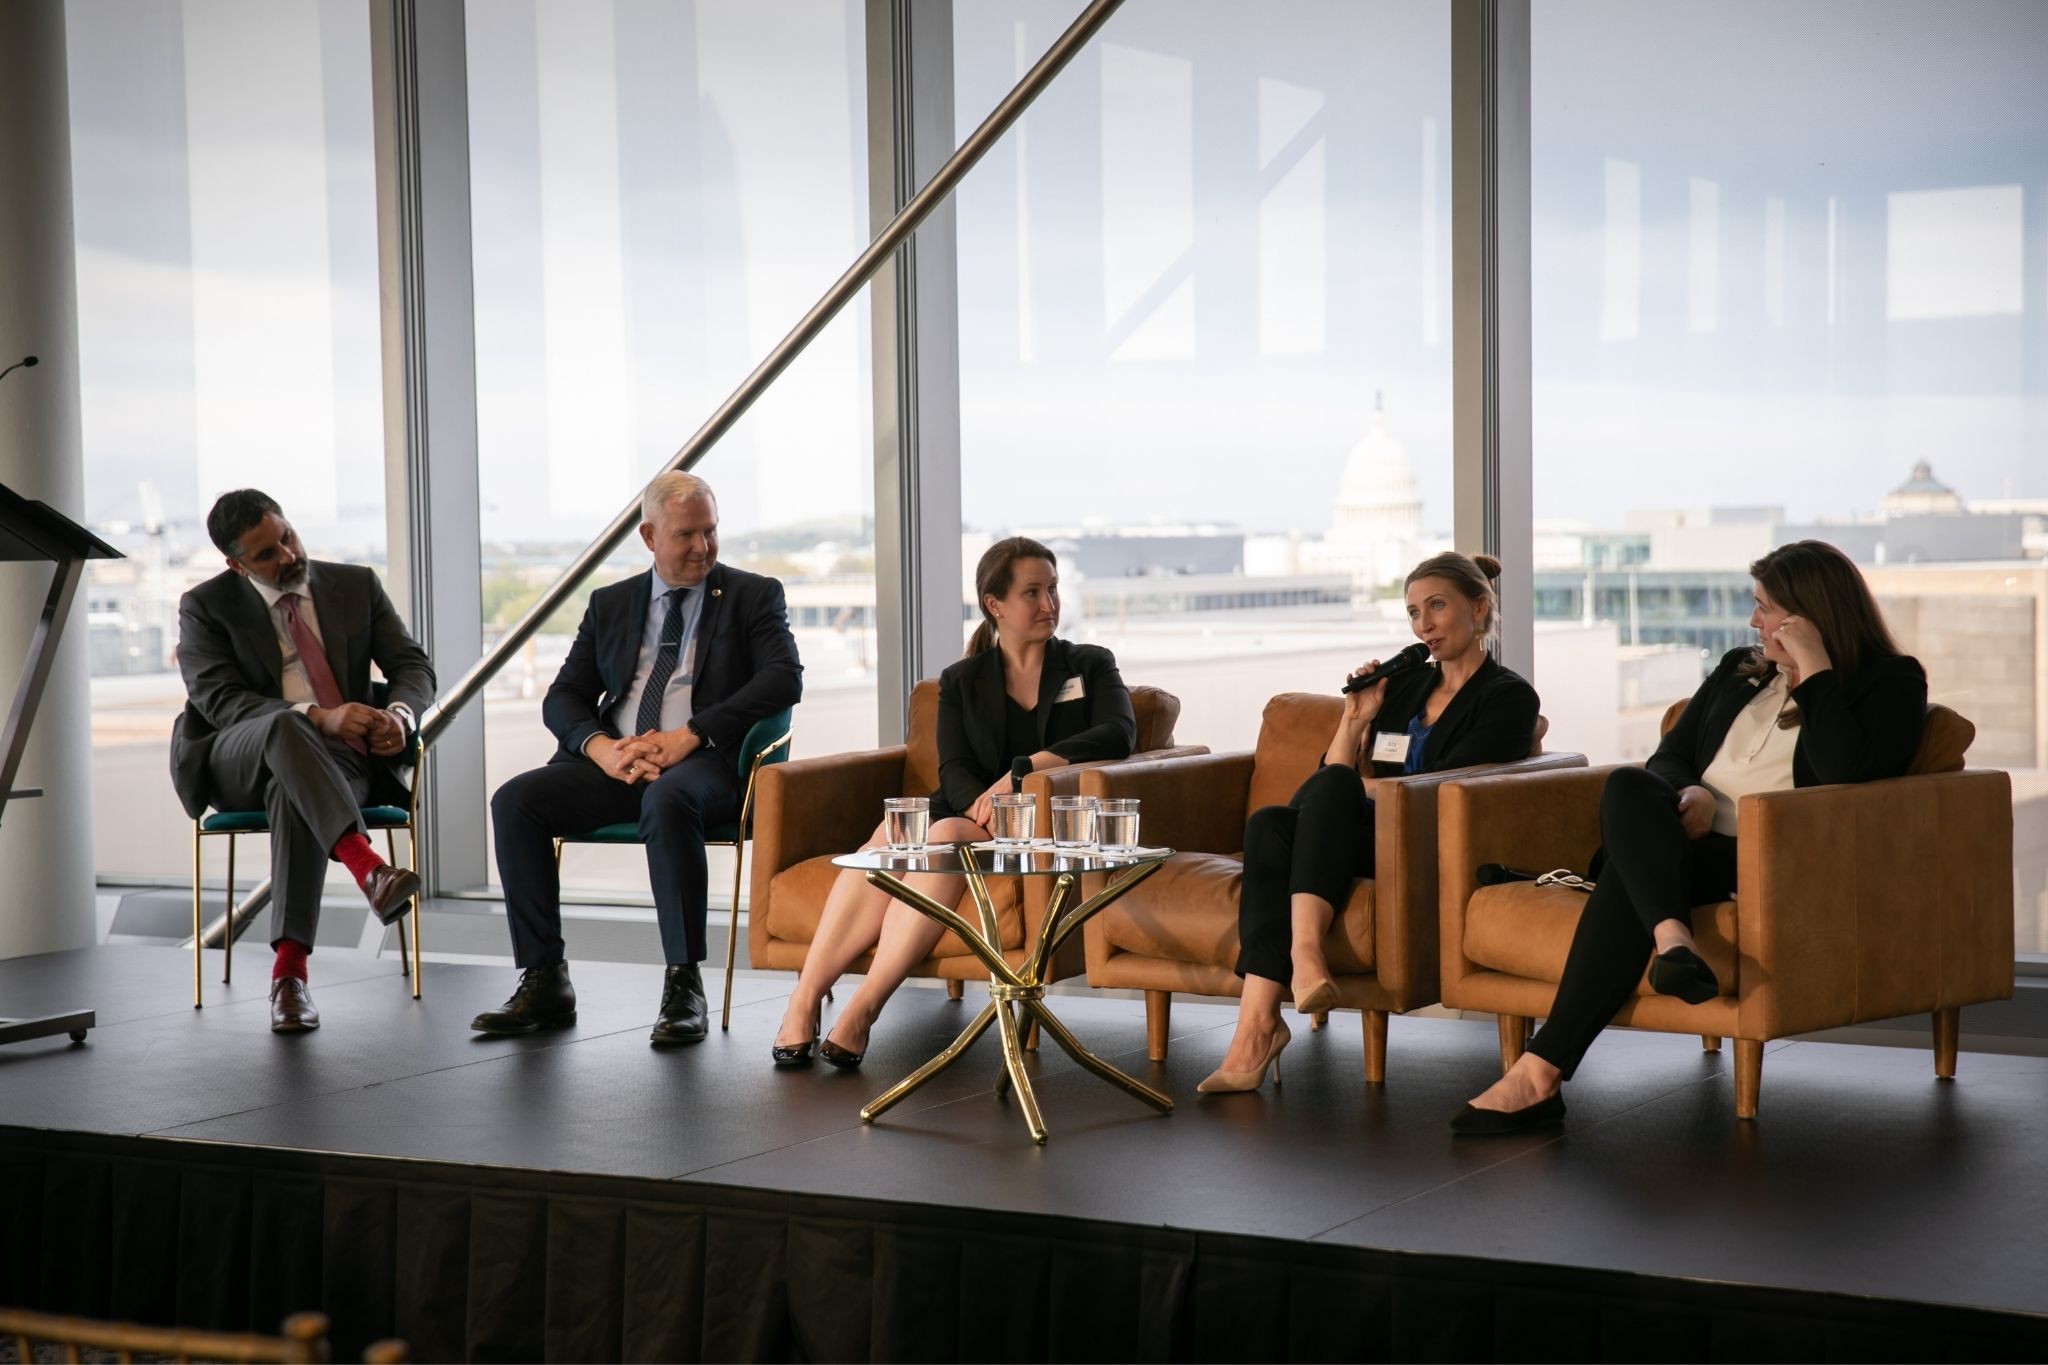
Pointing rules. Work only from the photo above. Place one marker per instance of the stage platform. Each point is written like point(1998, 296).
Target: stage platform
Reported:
point(579, 1195)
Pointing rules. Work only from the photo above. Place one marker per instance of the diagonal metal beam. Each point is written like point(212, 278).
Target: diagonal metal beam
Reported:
point(864, 268)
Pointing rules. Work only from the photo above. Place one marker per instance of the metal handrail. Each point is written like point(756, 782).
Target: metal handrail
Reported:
point(865, 266)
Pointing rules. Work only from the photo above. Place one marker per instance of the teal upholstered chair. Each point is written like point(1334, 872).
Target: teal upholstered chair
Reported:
point(767, 742)
point(230, 823)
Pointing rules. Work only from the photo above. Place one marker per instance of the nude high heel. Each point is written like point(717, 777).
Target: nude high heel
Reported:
point(1221, 1082)
point(1314, 997)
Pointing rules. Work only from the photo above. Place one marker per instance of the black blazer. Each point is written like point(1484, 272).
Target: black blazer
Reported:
point(234, 667)
point(1852, 728)
point(747, 667)
point(1491, 720)
point(1099, 724)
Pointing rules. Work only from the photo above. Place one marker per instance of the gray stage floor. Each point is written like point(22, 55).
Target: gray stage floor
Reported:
point(1863, 1174)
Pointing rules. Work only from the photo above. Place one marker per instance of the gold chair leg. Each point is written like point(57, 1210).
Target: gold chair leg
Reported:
point(732, 928)
point(1948, 1034)
point(1749, 1075)
point(404, 955)
point(1375, 1046)
point(198, 930)
point(1158, 1019)
point(1514, 1040)
point(227, 931)
point(419, 908)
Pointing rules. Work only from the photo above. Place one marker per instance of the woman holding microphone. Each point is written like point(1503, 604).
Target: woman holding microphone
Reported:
point(1825, 697)
point(1457, 708)
point(1020, 693)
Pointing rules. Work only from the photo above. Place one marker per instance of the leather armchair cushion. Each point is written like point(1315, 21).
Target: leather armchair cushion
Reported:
point(796, 900)
point(1525, 930)
point(1943, 743)
point(1293, 733)
point(1187, 912)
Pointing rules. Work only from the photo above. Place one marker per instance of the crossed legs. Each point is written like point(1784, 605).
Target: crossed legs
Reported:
point(858, 918)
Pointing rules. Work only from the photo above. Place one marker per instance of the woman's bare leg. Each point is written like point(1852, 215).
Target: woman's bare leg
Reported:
point(906, 938)
point(850, 924)
point(1258, 1019)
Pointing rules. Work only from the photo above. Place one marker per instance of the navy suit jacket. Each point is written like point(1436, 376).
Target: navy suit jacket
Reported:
point(747, 667)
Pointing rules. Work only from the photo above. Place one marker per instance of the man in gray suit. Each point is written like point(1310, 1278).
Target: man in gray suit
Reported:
point(276, 654)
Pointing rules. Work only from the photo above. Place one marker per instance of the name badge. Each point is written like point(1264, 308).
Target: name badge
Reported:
point(1388, 747)
point(1075, 690)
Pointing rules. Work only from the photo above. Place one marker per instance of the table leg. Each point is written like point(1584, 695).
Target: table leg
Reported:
point(1060, 1035)
point(1013, 1065)
point(882, 1103)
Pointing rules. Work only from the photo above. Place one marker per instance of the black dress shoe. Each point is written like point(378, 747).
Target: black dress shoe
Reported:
point(291, 1006)
point(839, 1056)
point(1497, 1122)
point(685, 1017)
point(1683, 973)
point(390, 891)
point(543, 999)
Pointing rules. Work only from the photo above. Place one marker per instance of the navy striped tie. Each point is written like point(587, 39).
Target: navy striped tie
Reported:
point(664, 663)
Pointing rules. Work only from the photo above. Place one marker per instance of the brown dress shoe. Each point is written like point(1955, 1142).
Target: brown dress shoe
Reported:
point(390, 891)
point(291, 1006)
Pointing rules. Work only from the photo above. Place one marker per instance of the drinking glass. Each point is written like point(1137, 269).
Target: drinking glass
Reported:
point(1015, 818)
point(907, 822)
point(1116, 823)
point(1073, 822)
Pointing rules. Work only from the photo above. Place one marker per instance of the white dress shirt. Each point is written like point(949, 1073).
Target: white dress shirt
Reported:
point(676, 708)
point(1755, 756)
point(298, 688)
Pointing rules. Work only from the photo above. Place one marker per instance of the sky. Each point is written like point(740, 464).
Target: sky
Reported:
point(1780, 253)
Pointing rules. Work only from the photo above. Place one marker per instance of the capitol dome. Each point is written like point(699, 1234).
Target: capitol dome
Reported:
point(1377, 494)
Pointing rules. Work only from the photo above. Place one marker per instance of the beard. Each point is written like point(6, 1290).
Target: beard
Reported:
point(289, 580)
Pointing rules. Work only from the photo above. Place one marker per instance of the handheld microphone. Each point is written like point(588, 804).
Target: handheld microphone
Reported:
point(1407, 661)
point(27, 362)
point(1019, 770)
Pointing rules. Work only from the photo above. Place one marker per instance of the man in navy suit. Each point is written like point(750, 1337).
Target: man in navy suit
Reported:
point(669, 671)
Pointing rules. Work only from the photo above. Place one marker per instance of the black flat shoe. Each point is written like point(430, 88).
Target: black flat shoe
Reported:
point(1682, 972)
point(839, 1056)
point(1499, 1122)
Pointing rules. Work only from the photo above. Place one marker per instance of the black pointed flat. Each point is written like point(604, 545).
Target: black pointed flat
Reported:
point(1473, 1122)
point(839, 1056)
point(791, 1058)
point(1685, 974)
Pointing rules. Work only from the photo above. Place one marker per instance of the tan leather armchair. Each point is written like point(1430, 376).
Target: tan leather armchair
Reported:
point(811, 810)
point(1177, 931)
point(1853, 903)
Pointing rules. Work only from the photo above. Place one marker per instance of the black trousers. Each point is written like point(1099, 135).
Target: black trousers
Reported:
point(1653, 872)
point(311, 787)
point(1319, 843)
point(574, 796)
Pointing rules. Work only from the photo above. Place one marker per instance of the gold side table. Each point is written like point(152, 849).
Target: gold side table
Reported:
point(1022, 987)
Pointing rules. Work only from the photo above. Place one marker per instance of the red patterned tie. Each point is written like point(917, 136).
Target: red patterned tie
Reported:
point(312, 658)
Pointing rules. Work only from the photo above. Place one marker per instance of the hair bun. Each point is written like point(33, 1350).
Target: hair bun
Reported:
point(1488, 565)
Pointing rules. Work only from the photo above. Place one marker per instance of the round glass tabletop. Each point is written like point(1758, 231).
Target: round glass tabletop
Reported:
point(999, 860)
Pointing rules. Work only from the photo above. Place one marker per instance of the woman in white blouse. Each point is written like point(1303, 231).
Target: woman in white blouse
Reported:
point(1826, 697)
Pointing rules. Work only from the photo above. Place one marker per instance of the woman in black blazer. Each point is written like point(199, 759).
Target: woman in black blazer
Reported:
point(1301, 859)
point(1020, 693)
point(1825, 698)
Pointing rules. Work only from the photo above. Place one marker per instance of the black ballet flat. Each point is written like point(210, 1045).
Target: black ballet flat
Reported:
point(792, 1058)
point(1500, 1122)
point(839, 1056)
point(1682, 972)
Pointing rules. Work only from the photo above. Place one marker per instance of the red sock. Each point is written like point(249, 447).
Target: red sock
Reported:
point(291, 960)
point(355, 854)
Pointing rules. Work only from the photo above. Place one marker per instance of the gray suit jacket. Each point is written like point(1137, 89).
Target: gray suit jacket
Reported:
point(234, 667)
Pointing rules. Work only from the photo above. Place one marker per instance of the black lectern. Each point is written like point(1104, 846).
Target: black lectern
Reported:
point(31, 531)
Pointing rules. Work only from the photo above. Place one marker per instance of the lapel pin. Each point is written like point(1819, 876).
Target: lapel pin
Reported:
point(718, 592)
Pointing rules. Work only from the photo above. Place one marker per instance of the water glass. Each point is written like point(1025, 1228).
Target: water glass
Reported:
point(1015, 818)
point(907, 821)
point(1116, 823)
point(1073, 822)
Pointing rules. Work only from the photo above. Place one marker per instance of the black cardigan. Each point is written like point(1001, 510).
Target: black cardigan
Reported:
point(1852, 727)
point(1099, 724)
point(1491, 720)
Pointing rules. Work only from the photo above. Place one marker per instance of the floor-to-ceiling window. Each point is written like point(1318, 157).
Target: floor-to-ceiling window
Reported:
point(659, 191)
point(225, 216)
point(1791, 281)
point(1204, 332)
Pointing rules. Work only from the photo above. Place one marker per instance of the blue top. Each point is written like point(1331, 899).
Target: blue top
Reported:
point(1417, 734)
